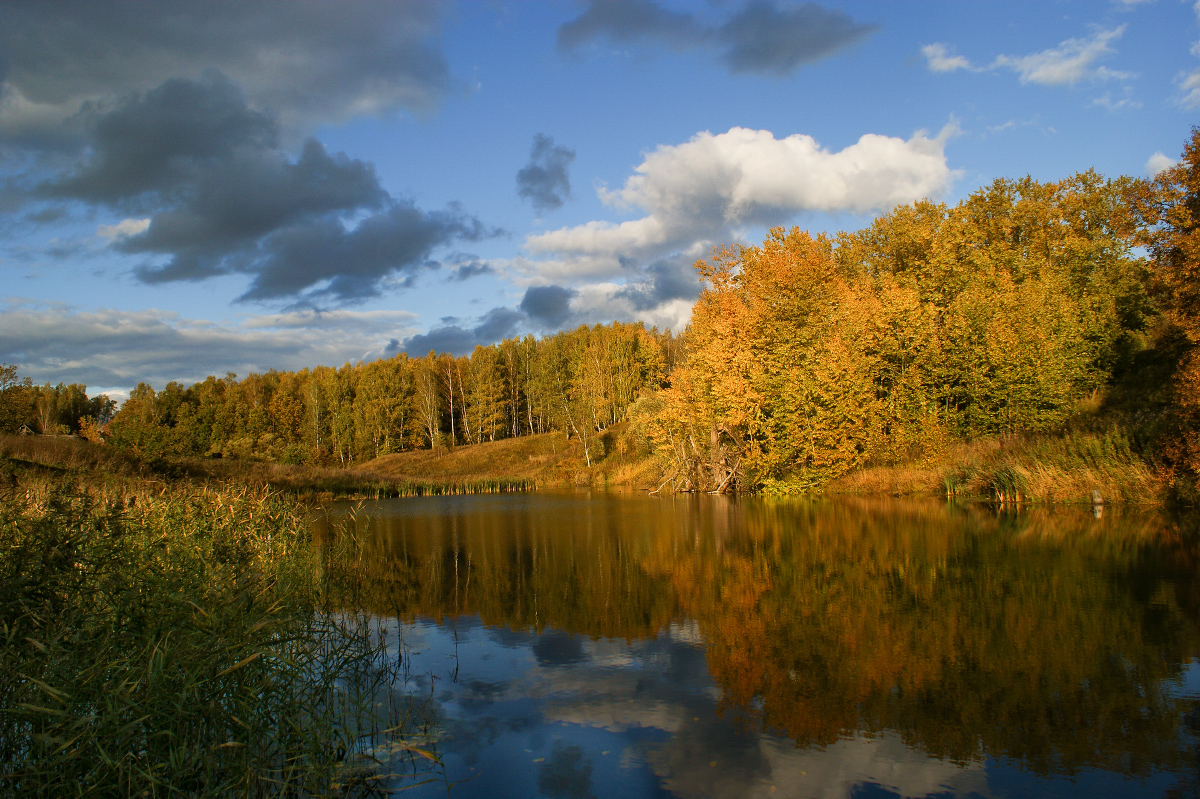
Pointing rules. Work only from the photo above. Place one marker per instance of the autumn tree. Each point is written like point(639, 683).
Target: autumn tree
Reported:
point(1170, 209)
point(14, 398)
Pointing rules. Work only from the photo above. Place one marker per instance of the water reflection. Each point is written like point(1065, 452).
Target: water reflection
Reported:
point(620, 646)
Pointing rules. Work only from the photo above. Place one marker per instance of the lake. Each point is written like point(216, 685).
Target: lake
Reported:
point(617, 645)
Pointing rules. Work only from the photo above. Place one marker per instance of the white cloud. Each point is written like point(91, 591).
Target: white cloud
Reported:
point(121, 348)
point(938, 57)
point(1106, 101)
point(1158, 163)
point(697, 192)
point(126, 227)
point(1191, 87)
point(1074, 60)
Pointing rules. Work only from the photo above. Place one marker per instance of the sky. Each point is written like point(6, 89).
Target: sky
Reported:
point(196, 188)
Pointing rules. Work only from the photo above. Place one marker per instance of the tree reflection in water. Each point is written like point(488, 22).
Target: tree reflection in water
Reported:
point(1049, 638)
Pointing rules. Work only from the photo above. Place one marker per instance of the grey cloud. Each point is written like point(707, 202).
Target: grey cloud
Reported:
point(108, 349)
point(661, 281)
point(496, 324)
point(468, 266)
point(396, 241)
point(630, 20)
point(762, 37)
point(765, 37)
point(223, 198)
point(544, 181)
point(550, 306)
point(312, 61)
point(153, 141)
point(46, 216)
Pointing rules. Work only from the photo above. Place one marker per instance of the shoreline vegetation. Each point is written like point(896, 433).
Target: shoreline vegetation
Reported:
point(1072, 468)
point(163, 639)
point(1035, 342)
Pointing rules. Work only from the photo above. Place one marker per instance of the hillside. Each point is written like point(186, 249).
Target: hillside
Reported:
point(547, 459)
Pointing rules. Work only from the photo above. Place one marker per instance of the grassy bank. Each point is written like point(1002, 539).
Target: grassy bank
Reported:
point(1071, 467)
point(169, 640)
point(1067, 467)
point(547, 460)
point(67, 455)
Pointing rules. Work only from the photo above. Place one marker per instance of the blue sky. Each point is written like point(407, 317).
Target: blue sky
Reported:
point(194, 188)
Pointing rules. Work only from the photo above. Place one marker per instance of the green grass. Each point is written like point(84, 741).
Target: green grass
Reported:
point(171, 641)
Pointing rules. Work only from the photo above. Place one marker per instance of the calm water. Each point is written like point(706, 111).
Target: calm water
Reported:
point(577, 645)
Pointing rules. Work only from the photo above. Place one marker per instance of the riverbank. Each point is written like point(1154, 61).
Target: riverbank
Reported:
point(547, 460)
point(1069, 467)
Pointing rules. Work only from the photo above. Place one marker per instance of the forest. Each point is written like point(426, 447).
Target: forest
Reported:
point(1028, 308)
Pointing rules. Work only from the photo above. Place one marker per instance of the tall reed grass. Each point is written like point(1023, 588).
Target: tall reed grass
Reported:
point(190, 642)
point(1069, 467)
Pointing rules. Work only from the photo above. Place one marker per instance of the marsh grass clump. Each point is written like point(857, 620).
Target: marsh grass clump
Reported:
point(188, 643)
point(1070, 466)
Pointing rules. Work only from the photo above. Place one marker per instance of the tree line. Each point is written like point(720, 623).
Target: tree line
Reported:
point(63, 409)
point(579, 381)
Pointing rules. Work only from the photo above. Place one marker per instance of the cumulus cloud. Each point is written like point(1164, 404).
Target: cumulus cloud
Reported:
point(221, 196)
point(1074, 60)
point(109, 348)
point(311, 61)
point(189, 119)
point(940, 59)
point(459, 339)
point(696, 192)
point(761, 37)
point(1159, 163)
point(707, 191)
point(659, 295)
point(544, 180)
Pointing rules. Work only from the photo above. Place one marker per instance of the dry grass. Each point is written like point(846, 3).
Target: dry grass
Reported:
point(515, 464)
point(69, 452)
point(897, 481)
point(1063, 468)
point(77, 456)
point(545, 460)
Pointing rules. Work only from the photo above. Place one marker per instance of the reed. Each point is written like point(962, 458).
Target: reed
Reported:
point(177, 641)
point(1067, 467)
